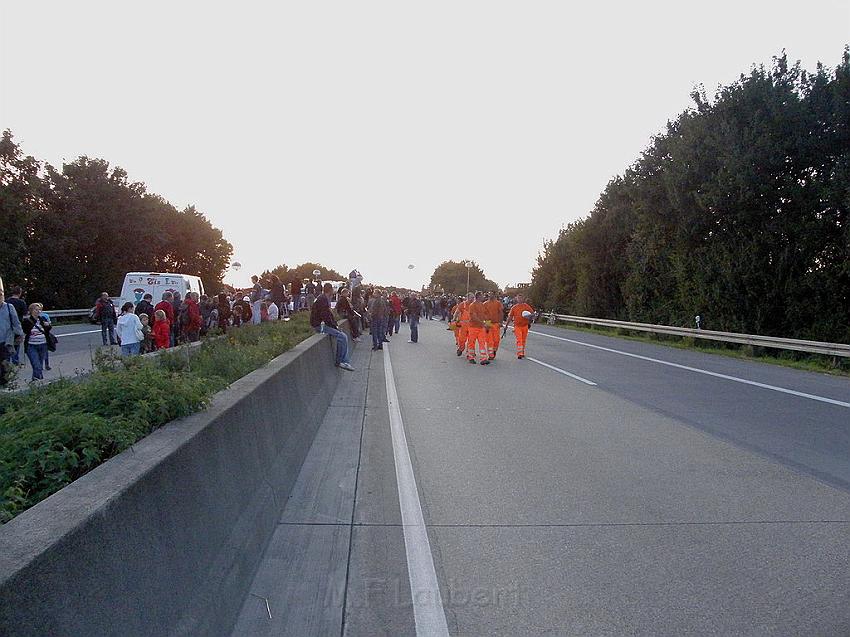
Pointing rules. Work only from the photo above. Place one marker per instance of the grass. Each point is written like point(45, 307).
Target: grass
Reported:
point(56, 433)
point(785, 358)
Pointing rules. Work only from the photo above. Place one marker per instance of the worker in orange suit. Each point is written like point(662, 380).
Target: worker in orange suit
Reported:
point(521, 314)
point(495, 314)
point(461, 320)
point(475, 331)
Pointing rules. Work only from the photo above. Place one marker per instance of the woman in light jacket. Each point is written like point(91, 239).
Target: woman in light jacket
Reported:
point(129, 331)
point(36, 330)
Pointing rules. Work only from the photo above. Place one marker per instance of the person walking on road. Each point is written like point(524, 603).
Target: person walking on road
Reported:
point(476, 333)
point(322, 320)
point(460, 318)
point(36, 332)
point(10, 331)
point(521, 314)
point(495, 313)
point(106, 314)
point(414, 309)
point(378, 317)
point(129, 329)
point(395, 319)
point(20, 306)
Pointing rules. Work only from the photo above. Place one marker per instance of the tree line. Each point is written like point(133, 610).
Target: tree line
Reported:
point(69, 234)
point(738, 212)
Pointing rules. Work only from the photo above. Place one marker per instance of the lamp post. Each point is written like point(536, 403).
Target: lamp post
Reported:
point(468, 265)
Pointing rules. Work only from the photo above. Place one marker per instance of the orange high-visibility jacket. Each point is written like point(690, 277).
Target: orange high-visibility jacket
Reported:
point(477, 314)
point(462, 312)
point(516, 314)
point(495, 311)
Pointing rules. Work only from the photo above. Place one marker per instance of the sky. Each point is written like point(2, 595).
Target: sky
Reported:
point(378, 135)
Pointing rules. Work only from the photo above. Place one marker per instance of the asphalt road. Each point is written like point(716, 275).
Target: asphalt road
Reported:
point(654, 492)
point(77, 344)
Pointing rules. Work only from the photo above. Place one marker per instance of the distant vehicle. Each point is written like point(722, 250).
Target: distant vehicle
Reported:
point(137, 284)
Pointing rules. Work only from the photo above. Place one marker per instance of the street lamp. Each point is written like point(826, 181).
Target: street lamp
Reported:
point(468, 265)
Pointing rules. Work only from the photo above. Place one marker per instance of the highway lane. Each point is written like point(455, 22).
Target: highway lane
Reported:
point(557, 507)
point(808, 434)
point(77, 344)
point(445, 498)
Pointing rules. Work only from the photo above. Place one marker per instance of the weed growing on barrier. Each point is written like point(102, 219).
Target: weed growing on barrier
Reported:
point(56, 433)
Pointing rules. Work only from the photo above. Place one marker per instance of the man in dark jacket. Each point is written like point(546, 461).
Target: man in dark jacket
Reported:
point(106, 314)
point(146, 307)
point(322, 320)
point(10, 332)
point(414, 309)
point(20, 306)
point(175, 327)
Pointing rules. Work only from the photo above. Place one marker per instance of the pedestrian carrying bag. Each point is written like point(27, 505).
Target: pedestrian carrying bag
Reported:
point(52, 341)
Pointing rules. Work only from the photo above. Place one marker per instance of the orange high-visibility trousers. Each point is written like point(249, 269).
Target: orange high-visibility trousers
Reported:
point(521, 334)
point(476, 335)
point(494, 338)
point(460, 337)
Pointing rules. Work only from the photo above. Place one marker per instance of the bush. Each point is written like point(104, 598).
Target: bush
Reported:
point(56, 433)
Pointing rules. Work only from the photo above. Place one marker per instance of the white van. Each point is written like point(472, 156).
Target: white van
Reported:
point(137, 284)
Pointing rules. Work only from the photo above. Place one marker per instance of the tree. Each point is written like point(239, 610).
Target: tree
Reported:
point(304, 271)
point(739, 212)
point(92, 226)
point(451, 276)
point(21, 189)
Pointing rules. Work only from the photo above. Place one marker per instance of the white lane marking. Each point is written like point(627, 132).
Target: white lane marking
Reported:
point(428, 610)
point(78, 333)
point(561, 371)
point(793, 392)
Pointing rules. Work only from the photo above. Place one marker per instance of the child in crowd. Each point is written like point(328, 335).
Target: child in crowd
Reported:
point(147, 341)
point(162, 330)
point(264, 312)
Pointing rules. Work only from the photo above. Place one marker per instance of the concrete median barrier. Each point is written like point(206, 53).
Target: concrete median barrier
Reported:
point(164, 538)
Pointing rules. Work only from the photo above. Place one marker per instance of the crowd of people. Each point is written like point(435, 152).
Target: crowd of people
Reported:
point(476, 319)
point(481, 320)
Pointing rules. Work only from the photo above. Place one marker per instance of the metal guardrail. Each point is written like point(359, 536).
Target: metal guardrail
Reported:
point(66, 313)
point(812, 347)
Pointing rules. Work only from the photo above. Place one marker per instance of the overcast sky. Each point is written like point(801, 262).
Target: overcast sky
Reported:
point(381, 134)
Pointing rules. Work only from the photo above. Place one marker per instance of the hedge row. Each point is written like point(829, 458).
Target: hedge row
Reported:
point(56, 433)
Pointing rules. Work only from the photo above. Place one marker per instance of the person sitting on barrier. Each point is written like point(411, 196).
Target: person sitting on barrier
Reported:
point(322, 320)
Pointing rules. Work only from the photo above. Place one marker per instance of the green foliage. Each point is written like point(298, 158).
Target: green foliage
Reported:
point(87, 225)
point(21, 188)
point(450, 276)
point(739, 212)
point(56, 433)
point(304, 271)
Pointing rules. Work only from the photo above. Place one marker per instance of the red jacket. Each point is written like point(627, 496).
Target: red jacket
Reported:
point(195, 320)
point(396, 303)
point(162, 334)
point(165, 306)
